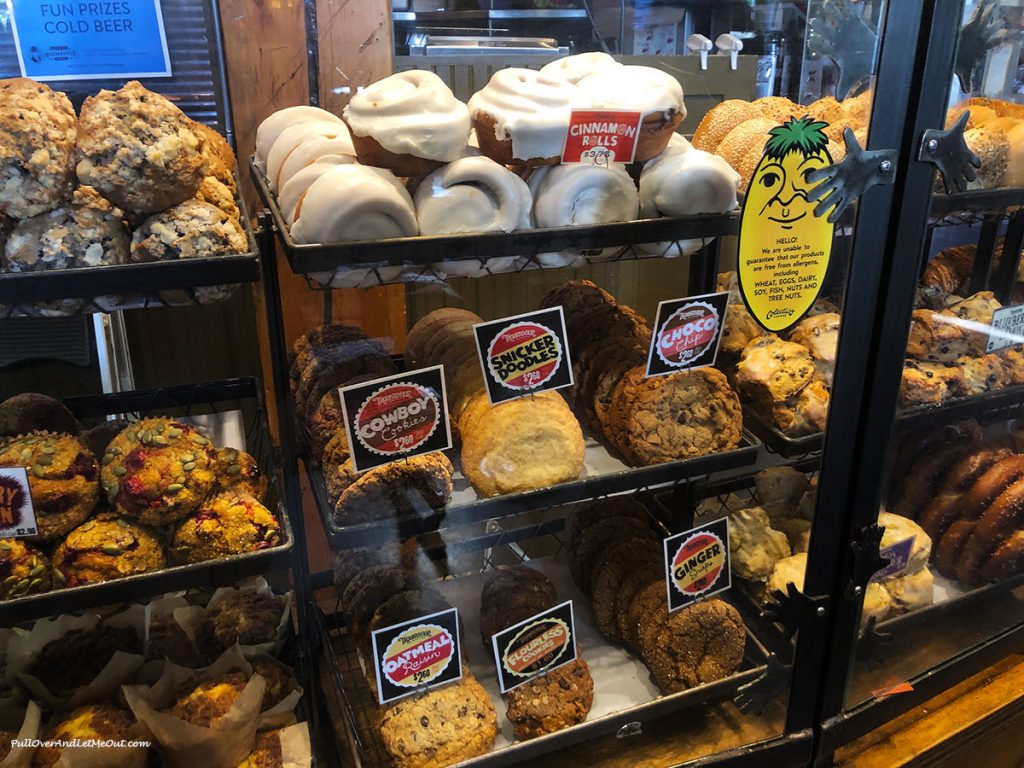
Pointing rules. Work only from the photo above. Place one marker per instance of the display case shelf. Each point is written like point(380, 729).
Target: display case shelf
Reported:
point(188, 400)
point(976, 201)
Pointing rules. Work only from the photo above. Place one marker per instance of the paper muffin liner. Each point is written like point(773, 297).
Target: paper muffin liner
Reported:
point(27, 728)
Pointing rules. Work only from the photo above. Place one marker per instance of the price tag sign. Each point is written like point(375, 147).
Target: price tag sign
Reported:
point(602, 137)
point(688, 333)
point(416, 655)
point(1007, 328)
point(396, 417)
point(524, 354)
point(117, 39)
point(697, 564)
point(535, 646)
point(898, 556)
point(17, 516)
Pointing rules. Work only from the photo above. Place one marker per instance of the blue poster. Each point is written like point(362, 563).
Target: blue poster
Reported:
point(90, 40)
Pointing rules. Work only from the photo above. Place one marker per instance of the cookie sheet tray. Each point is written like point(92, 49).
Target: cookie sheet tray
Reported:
point(426, 250)
point(624, 695)
point(217, 397)
point(604, 474)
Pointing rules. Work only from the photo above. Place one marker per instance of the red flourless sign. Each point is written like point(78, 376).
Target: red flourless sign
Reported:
point(601, 136)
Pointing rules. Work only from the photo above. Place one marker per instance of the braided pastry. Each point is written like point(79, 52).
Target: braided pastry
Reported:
point(946, 507)
point(990, 485)
point(1001, 519)
point(1007, 560)
point(952, 544)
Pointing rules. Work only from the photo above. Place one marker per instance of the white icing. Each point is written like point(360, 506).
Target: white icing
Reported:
point(291, 194)
point(271, 127)
point(683, 181)
point(311, 150)
point(412, 113)
point(575, 68)
point(354, 202)
point(479, 267)
point(582, 195)
point(678, 141)
point(473, 194)
point(531, 109)
point(640, 89)
point(293, 137)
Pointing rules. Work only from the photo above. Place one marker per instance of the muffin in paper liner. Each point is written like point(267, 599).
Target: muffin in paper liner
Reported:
point(27, 726)
point(291, 745)
point(184, 745)
point(122, 667)
point(169, 634)
point(136, 756)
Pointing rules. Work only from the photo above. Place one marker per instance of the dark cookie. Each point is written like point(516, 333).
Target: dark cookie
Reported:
point(585, 514)
point(592, 542)
point(697, 645)
point(630, 587)
point(648, 609)
point(575, 296)
point(618, 560)
point(370, 589)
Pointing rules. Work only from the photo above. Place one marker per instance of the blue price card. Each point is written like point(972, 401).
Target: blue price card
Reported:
point(90, 39)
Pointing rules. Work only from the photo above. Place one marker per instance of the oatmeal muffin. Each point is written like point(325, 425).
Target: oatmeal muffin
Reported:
point(95, 721)
point(138, 149)
point(206, 703)
point(228, 524)
point(75, 658)
point(279, 677)
point(30, 411)
point(446, 725)
point(246, 618)
point(238, 472)
point(190, 230)
point(62, 477)
point(66, 237)
point(158, 470)
point(24, 569)
point(38, 130)
point(550, 702)
point(104, 550)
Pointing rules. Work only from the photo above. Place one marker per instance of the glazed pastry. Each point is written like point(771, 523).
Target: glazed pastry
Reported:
point(897, 529)
point(38, 129)
point(327, 136)
point(910, 591)
point(472, 194)
point(71, 236)
point(138, 150)
point(754, 546)
point(30, 411)
point(225, 525)
point(583, 195)
point(805, 413)
point(62, 478)
point(574, 68)
point(820, 334)
point(950, 269)
point(271, 128)
point(521, 117)
point(289, 196)
point(24, 569)
point(945, 507)
point(657, 95)
point(104, 550)
point(772, 370)
point(312, 151)
point(409, 123)
point(719, 120)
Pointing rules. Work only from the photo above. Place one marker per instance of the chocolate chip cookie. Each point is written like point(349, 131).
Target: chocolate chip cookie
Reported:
point(550, 702)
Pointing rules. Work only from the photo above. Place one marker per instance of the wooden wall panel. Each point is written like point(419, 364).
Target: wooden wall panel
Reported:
point(355, 47)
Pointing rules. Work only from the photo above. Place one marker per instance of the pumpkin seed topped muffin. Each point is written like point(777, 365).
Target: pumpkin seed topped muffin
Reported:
point(228, 524)
point(62, 478)
point(239, 472)
point(158, 470)
point(104, 550)
point(24, 570)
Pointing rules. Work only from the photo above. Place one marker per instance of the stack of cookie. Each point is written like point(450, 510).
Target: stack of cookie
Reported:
point(647, 420)
point(546, 703)
point(617, 562)
point(519, 445)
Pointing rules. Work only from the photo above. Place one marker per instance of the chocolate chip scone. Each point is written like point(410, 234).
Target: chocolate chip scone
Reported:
point(618, 560)
point(190, 230)
point(443, 726)
point(217, 154)
point(158, 470)
point(220, 196)
point(550, 702)
point(38, 130)
point(681, 415)
point(138, 149)
point(771, 370)
point(66, 237)
point(696, 645)
point(593, 541)
point(62, 478)
point(929, 382)
point(409, 486)
point(820, 334)
point(104, 550)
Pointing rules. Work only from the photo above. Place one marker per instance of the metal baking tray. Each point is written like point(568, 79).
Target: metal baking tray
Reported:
point(434, 249)
point(130, 286)
point(242, 394)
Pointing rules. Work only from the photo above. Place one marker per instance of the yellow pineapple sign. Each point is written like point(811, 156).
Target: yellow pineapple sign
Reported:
point(784, 248)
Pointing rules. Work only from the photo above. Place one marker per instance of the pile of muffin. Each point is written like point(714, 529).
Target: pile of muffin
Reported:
point(244, 623)
point(645, 420)
point(618, 563)
point(124, 498)
point(341, 179)
point(131, 179)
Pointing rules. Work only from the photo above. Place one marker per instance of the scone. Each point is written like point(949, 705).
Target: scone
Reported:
point(190, 230)
point(805, 413)
point(740, 329)
point(24, 569)
point(929, 382)
point(138, 149)
point(31, 411)
point(443, 726)
point(547, 703)
point(239, 472)
point(103, 550)
point(217, 154)
point(220, 196)
point(38, 130)
point(820, 334)
point(772, 370)
point(67, 237)
point(960, 330)
point(981, 374)
point(158, 470)
point(225, 525)
point(94, 721)
point(754, 546)
point(62, 478)
point(779, 489)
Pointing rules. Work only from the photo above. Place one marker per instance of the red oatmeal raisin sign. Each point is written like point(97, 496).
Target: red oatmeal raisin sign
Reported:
point(601, 137)
point(417, 654)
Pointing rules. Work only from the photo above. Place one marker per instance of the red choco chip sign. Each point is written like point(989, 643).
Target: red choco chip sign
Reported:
point(536, 647)
point(418, 656)
point(397, 418)
point(688, 333)
point(698, 563)
point(524, 355)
